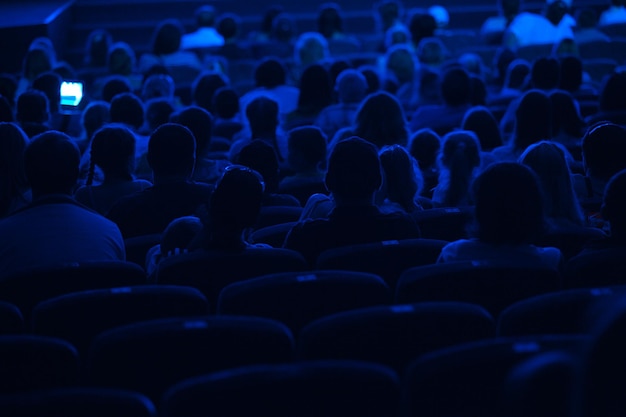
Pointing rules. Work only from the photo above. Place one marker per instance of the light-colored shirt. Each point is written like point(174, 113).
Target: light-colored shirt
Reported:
point(612, 16)
point(535, 29)
point(57, 233)
point(204, 37)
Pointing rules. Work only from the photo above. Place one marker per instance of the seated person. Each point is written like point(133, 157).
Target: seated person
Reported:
point(306, 160)
point(351, 87)
point(205, 35)
point(614, 213)
point(54, 229)
point(456, 94)
point(353, 177)
point(604, 155)
point(262, 115)
point(615, 14)
point(171, 156)
point(402, 182)
point(200, 123)
point(551, 27)
point(14, 188)
point(261, 157)
point(227, 113)
point(33, 112)
point(459, 161)
point(233, 209)
point(113, 151)
point(509, 216)
point(176, 239)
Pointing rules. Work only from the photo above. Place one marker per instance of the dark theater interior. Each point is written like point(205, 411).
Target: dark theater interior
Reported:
point(281, 208)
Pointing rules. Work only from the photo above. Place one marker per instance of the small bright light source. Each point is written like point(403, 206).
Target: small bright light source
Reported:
point(71, 93)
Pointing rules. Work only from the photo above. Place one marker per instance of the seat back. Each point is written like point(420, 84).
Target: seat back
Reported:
point(492, 285)
point(600, 268)
point(296, 298)
point(28, 288)
point(137, 248)
point(272, 235)
point(386, 259)
point(11, 319)
point(272, 215)
point(29, 362)
point(563, 312)
point(468, 380)
point(317, 388)
point(210, 272)
point(81, 316)
point(148, 357)
point(394, 335)
point(77, 402)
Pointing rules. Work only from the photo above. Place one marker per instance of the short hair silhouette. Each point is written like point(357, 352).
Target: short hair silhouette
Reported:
point(421, 25)
point(158, 111)
point(571, 77)
point(329, 20)
point(315, 88)
point(262, 158)
point(95, 115)
point(351, 86)
point(310, 47)
point(228, 25)
point(97, 47)
point(113, 150)
point(307, 148)
point(516, 74)
point(270, 73)
point(205, 86)
point(51, 162)
point(604, 150)
point(172, 150)
point(158, 85)
point(236, 201)
point(32, 107)
point(226, 103)
point(114, 85)
point(37, 60)
point(127, 108)
point(199, 122)
point(509, 204)
point(400, 60)
point(49, 83)
point(545, 73)
point(121, 59)
point(456, 87)
point(354, 170)
point(205, 16)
